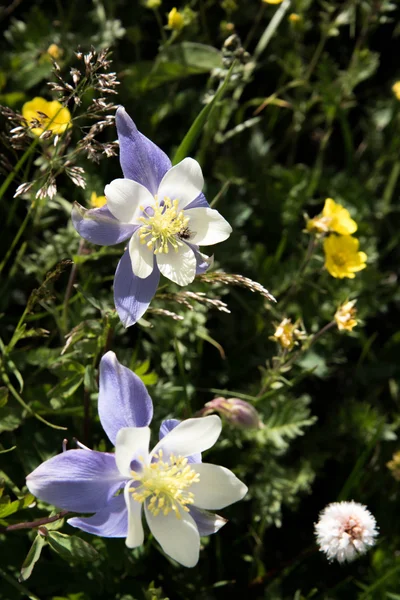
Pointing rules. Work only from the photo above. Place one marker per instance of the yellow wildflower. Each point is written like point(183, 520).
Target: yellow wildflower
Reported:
point(272, 1)
point(152, 4)
point(51, 116)
point(175, 20)
point(394, 465)
point(345, 316)
point(97, 201)
point(396, 89)
point(55, 51)
point(333, 218)
point(295, 18)
point(342, 258)
point(287, 334)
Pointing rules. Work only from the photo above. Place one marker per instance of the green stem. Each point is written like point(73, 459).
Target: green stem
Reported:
point(8, 181)
point(390, 186)
point(25, 593)
point(183, 376)
point(271, 28)
point(26, 406)
point(16, 238)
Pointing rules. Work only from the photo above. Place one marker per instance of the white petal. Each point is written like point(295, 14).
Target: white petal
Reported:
point(179, 538)
point(124, 199)
point(131, 443)
point(135, 535)
point(142, 258)
point(178, 266)
point(190, 437)
point(218, 487)
point(207, 226)
point(183, 182)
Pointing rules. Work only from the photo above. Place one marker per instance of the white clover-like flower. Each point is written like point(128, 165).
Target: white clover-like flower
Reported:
point(345, 530)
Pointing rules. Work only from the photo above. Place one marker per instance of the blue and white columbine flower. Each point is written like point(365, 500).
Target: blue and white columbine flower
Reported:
point(170, 484)
point(164, 213)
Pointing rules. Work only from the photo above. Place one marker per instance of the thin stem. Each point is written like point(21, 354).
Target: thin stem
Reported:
point(271, 28)
point(26, 406)
point(36, 523)
point(183, 376)
point(18, 586)
point(68, 291)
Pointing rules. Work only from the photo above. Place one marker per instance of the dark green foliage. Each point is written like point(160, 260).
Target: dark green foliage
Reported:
point(286, 116)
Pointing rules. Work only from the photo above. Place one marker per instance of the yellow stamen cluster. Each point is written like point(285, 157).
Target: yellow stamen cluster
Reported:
point(160, 230)
point(164, 484)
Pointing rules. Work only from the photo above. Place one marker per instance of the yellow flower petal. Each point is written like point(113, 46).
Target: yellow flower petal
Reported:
point(396, 89)
point(339, 218)
point(342, 258)
point(52, 116)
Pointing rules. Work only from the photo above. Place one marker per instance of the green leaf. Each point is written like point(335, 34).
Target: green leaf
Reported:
point(197, 58)
point(197, 127)
point(10, 418)
point(173, 63)
point(71, 548)
point(32, 557)
point(7, 509)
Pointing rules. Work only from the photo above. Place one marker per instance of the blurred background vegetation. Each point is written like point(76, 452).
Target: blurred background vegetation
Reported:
point(308, 112)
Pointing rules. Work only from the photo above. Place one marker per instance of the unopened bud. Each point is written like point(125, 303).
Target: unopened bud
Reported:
point(237, 412)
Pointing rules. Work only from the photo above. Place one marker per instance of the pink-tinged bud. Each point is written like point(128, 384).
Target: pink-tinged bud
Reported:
point(237, 412)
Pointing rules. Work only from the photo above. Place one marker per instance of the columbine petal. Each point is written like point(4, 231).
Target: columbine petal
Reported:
point(199, 202)
point(76, 480)
point(141, 160)
point(190, 437)
point(142, 258)
point(124, 199)
point(207, 226)
point(111, 521)
point(183, 182)
point(135, 535)
point(218, 487)
point(178, 265)
point(203, 262)
point(169, 425)
point(99, 226)
point(133, 295)
point(179, 538)
point(132, 442)
point(123, 398)
point(206, 522)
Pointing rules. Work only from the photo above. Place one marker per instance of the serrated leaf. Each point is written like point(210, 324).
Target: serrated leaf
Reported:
point(71, 548)
point(32, 557)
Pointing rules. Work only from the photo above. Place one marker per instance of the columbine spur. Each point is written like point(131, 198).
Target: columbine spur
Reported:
point(170, 483)
point(162, 211)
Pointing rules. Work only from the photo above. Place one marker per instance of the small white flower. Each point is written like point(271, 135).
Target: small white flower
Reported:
point(345, 530)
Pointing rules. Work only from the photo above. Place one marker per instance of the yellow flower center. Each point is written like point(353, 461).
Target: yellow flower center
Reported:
point(340, 259)
point(164, 227)
point(165, 485)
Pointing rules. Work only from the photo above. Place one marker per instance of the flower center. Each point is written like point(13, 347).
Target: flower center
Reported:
point(165, 485)
point(164, 226)
point(340, 259)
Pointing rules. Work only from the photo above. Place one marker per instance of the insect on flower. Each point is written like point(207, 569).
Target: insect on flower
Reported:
point(161, 209)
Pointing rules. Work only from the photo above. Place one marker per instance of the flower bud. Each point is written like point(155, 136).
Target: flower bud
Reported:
point(237, 412)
